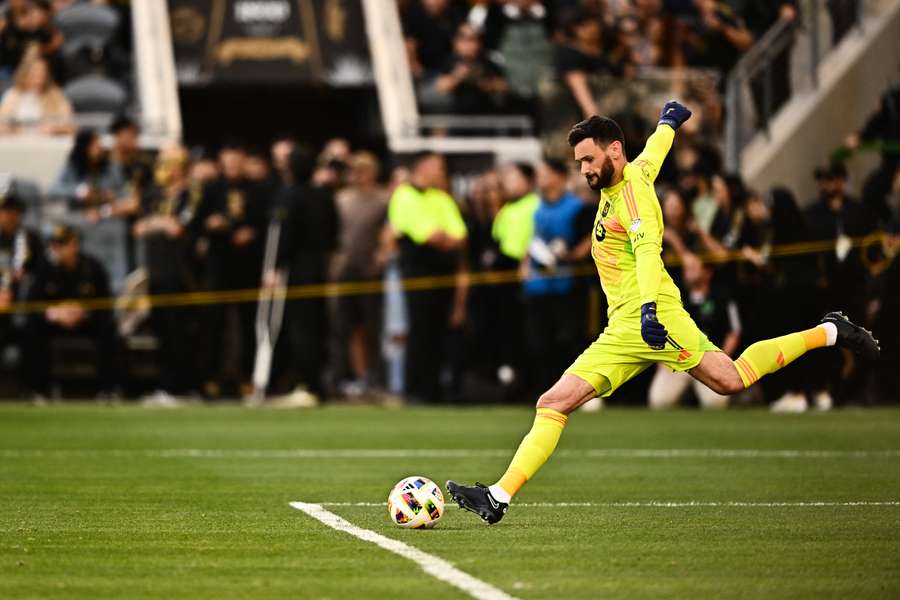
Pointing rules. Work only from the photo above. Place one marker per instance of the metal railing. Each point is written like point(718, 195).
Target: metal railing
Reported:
point(751, 98)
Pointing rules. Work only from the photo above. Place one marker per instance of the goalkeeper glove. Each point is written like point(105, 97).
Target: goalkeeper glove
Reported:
point(653, 332)
point(674, 114)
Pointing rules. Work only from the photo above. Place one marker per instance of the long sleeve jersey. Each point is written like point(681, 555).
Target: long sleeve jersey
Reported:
point(628, 232)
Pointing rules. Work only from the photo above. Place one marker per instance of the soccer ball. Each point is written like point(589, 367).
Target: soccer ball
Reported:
point(416, 502)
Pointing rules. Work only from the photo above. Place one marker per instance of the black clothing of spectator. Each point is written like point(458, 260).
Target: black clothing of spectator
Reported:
point(469, 96)
point(432, 34)
point(569, 58)
point(232, 216)
point(711, 313)
point(841, 271)
point(883, 126)
point(168, 271)
point(15, 40)
point(54, 281)
point(309, 234)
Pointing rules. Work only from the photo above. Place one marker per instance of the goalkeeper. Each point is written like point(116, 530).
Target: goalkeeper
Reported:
point(647, 323)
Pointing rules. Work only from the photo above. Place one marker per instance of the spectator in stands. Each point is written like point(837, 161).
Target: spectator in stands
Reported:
point(715, 37)
point(838, 218)
point(166, 216)
point(429, 27)
point(679, 239)
point(468, 82)
point(66, 279)
point(35, 103)
point(581, 57)
point(132, 172)
point(881, 129)
point(203, 167)
point(21, 251)
point(887, 312)
point(362, 209)
point(27, 25)
point(331, 164)
point(521, 31)
point(714, 310)
point(760, 17)
point(86, 180)
point(309, 235)
point(784, 292)
point(20, 254)
point(234, 213)
point(553, 325)
point(729, 193)
point(512, 232)
point(431, 236)
point(282, 148)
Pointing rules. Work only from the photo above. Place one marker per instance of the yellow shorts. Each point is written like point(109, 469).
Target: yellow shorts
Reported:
point(620, 353)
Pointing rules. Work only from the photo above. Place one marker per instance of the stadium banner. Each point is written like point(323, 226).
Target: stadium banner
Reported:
point(310, 42)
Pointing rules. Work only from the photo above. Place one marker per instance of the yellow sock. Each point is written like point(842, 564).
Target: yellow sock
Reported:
point(534, 450)
point(768, 356)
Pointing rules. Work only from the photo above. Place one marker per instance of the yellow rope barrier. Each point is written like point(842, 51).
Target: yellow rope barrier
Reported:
point(337, 289)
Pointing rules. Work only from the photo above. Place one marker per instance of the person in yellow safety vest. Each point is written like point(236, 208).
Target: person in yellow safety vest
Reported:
point(512, 231)
point(431, 237)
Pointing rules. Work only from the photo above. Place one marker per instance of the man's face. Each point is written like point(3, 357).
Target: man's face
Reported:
point(127, 139)
point(9, 219)
point(256, 168)
point(432, 170)
point(515, 185)
point(66, 252)
point(595, 162)
point(232, 162)
point(281, 155)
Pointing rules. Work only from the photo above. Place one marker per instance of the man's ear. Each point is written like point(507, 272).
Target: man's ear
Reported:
point(615, 150)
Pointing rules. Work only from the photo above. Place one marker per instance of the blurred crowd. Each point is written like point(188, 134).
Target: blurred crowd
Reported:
point(61, 57)
point(502, 293)
point(502, 56)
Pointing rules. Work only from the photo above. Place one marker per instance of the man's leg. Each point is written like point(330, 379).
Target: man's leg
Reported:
point(724, 376)
point(553, 409)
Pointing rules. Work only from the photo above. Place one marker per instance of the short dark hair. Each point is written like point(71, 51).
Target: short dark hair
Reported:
point(526, 170)
point(423, 155)
point(602, 130)
point(556, 165)
point(122, 122)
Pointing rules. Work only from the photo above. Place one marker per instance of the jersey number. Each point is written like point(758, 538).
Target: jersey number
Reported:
point(599, 231)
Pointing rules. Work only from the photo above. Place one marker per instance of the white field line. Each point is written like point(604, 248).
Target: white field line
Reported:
point(659, 504)
point(434, 566)
point(379, 453)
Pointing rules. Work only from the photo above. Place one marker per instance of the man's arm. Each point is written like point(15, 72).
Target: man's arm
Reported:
point(655, 151)
point(636, 211)
point(672, 116)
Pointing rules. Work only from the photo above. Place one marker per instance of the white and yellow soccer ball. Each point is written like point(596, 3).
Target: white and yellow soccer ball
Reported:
point(416, 502)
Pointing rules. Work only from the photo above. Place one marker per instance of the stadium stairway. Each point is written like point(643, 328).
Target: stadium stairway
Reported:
point(817, 119)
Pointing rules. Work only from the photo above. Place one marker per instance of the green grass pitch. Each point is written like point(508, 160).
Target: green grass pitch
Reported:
point(102, 502)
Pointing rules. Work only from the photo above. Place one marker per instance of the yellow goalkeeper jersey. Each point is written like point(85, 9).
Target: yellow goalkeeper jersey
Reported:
point(628, 233)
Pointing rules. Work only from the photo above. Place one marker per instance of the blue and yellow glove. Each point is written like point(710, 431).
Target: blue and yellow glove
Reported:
point(674, 114)
point(652, 331)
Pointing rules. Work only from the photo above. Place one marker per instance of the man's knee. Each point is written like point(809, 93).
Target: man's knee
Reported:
point(728, 383)
point(568, 394)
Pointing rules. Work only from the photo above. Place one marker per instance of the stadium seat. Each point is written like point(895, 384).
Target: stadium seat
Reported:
point(96, 94)
point(87, 26)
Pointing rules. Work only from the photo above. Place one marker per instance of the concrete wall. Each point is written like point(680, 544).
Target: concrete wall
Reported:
point(803, 134)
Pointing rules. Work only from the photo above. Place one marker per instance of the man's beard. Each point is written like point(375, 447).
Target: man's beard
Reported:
point(604, 179)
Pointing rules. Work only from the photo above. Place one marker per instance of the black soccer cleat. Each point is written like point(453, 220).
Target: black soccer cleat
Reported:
point(478, 499)
point(853, 337)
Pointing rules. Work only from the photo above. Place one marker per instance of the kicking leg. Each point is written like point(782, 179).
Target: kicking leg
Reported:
point(553, 408)
point(724, 376)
